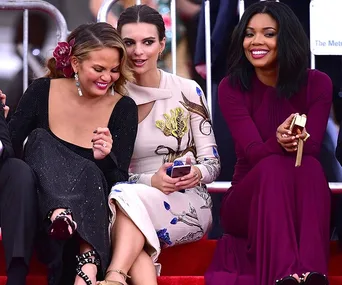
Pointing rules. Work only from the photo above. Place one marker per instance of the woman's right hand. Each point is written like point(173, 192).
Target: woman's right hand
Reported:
point(284, 136)
point(3, 103)
point(164, 182)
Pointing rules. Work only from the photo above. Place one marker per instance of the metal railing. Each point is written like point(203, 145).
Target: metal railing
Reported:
point(37, 5)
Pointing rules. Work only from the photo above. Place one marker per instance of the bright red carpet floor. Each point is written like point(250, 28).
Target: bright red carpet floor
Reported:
point(182, 265)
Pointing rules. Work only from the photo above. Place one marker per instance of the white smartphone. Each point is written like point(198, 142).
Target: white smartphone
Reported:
point(180, 170)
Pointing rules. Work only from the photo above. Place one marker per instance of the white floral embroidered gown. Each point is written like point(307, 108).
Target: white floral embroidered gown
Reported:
point(177, 127)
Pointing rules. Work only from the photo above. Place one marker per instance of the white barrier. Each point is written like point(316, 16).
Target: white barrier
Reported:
point(325, 33)
point(222, 186)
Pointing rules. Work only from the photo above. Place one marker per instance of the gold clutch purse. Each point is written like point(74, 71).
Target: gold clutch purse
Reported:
point(297, 126)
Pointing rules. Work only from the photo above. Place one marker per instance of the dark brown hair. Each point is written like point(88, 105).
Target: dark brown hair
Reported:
point(142, 14)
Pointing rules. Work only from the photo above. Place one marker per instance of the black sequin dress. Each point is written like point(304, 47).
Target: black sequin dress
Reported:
point(68, 175)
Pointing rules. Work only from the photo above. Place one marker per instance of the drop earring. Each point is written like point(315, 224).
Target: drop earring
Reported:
point(160, 55)
point(112, 91)
point(78, 84)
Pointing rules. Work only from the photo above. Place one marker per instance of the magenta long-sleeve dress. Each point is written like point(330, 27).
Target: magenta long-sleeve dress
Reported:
point(275, 216)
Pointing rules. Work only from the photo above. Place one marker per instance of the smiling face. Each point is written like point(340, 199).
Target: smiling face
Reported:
point(260, 42)
point(143, 46)
point(99, 71)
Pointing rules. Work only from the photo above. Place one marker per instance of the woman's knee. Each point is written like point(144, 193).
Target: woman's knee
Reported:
point(274, 161)
point(18, 166)
point(311, 162)
point(273, 167)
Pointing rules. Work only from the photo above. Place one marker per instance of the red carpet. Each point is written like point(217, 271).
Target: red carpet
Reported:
point(182, 265)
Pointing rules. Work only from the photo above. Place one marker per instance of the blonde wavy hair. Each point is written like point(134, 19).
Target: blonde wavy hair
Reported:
point(94, 36)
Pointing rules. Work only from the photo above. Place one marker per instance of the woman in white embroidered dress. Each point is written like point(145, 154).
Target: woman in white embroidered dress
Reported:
point(154, 210)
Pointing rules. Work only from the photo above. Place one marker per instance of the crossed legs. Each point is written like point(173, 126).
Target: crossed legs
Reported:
point(129, 255)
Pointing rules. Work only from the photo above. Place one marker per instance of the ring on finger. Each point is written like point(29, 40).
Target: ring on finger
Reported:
point(104, 144)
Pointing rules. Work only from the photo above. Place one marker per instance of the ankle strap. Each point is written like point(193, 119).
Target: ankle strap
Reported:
point(120, 272)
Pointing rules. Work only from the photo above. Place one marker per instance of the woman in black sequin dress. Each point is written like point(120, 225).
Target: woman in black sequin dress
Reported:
point(81, 130)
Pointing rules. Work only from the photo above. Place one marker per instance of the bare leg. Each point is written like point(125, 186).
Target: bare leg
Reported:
point(143, 271)
point(127, 244)
point(89, 268)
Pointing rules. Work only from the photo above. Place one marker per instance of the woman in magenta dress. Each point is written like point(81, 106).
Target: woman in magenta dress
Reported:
point(275, 216)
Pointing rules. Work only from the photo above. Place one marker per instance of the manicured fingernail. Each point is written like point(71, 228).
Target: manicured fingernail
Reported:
point(92, 140)
point(294, 143)
point(95, 131)
point(293, 138)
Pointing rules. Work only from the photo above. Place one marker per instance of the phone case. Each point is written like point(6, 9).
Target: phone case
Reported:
point(180, 170)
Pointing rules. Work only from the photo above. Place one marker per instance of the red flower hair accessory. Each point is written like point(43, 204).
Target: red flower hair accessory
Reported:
point(62, 54)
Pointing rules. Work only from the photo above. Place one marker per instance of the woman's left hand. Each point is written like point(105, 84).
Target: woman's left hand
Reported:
point(190, 180)
point(102, 143)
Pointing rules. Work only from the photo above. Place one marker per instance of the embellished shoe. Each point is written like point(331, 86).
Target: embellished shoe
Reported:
point(315, 278)
point(59, 228)
point(110, 282)
point(288, 280)
point(88, 257)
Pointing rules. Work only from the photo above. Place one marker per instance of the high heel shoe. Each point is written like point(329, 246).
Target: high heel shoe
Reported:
point(88, 257)
point(112, 282)
point(288, 280)
point(315, 278)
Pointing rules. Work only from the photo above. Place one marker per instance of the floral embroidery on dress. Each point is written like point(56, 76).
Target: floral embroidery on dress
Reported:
point(212, 165)
point(175, 125)
point(203, 193)
point(201, 110)
point(164, 237)
point(189, 218)
point(133, 178)
point(215, 152)
point(190, 237)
